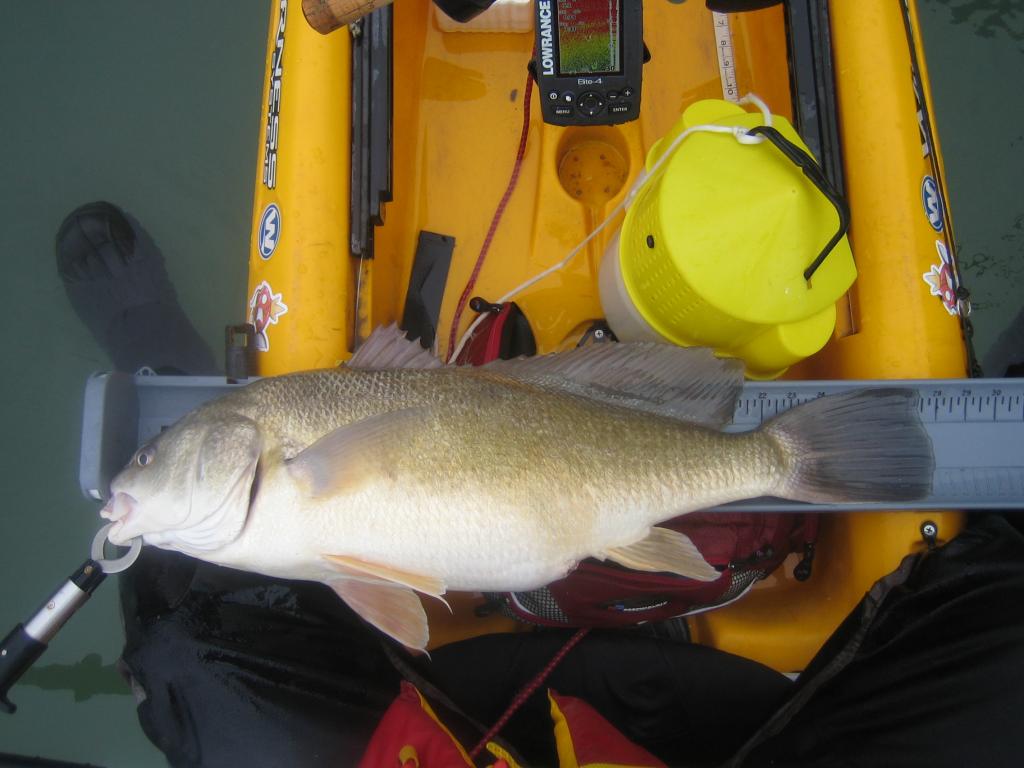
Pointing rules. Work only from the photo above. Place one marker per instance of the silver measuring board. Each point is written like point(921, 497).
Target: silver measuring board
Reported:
point(976, 427)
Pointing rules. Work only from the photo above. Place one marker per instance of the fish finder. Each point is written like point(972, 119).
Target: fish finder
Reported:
point(588, 61)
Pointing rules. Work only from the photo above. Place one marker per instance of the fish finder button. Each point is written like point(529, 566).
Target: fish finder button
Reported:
point(590, 103)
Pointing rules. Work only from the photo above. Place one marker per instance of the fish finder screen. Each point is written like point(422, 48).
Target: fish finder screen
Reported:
point(588, 37)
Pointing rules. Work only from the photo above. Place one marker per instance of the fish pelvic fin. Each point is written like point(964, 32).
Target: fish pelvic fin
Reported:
point(394, 610)
point(664, 551)
point(867, 445)
point(358, 568)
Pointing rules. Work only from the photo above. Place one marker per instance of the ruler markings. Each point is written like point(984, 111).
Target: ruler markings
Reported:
point(726, 56)
point(975, 427)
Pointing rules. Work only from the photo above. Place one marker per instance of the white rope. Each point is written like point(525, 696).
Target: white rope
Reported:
point(645, 177)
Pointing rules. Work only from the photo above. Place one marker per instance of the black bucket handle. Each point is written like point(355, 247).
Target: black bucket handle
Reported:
point(812, 171)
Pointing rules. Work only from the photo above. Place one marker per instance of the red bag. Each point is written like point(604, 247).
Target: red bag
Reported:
point(746, 547)
point(504, 334)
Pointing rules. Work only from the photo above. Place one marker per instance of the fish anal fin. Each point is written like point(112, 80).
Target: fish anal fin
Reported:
point(360, 569)
point(394, 610)
point(664, 551)
point(342, 460)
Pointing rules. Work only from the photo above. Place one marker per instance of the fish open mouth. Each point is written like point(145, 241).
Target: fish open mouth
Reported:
point(118, 510)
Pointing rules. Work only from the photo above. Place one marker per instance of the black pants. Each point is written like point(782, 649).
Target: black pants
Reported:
point(928, 670)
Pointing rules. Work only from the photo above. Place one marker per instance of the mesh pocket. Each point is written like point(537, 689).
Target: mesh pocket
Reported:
point(537, 604)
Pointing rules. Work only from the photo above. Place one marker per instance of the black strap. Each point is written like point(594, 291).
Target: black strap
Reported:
point(817, 177)
point(439, 697)
point(736, 6)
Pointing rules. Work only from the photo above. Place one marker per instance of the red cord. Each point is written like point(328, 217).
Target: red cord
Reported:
point(528, 690)
point(498, 212)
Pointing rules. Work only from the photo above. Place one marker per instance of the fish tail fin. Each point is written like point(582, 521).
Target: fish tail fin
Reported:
point(867, 445)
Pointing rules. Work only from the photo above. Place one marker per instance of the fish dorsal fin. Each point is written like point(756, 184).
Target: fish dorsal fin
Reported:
point(387, 347)
point(393, 609)
point(343, 459)
point(687, 383)
point(358, 568)
point(665, 551)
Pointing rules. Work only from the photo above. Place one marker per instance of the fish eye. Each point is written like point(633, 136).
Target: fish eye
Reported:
point(144, 457)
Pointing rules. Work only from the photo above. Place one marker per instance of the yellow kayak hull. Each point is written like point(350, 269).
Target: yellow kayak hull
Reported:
point(458, 113)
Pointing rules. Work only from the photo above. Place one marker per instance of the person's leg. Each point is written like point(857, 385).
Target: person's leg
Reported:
point(684, 703)
point(240, 669)
point(116, 281)
point(927, 670)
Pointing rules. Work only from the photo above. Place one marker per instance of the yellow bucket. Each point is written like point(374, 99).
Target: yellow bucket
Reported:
point(714, 250)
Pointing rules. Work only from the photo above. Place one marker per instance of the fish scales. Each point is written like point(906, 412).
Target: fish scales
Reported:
point(500, 476)
point(380, 482)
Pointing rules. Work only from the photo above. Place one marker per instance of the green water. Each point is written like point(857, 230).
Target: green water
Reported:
point(156, 107)
point(975, 51)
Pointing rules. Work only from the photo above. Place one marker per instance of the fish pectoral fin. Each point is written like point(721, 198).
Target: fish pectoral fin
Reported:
point(667, 551)
point(394, 610)
point(343, 459)
point(356, 568)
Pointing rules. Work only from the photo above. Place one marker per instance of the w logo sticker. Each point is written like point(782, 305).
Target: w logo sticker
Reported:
point(932, 200)
point(269, 231)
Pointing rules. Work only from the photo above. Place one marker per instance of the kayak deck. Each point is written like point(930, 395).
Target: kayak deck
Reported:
point(458, 116)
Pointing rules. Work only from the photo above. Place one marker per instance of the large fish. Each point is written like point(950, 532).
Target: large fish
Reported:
point(392, 475)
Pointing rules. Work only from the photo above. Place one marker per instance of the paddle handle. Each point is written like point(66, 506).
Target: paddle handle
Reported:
point(327, 15)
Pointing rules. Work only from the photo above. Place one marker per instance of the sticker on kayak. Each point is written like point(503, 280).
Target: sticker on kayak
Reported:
point(274, 76)
point(940, 279)
point(265, 308)
point(269, 231)
point(932, 199)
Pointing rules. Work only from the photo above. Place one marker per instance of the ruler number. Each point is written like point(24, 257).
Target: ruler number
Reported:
point(726, 56)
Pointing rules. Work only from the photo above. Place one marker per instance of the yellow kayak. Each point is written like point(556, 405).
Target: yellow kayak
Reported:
point(458, 117)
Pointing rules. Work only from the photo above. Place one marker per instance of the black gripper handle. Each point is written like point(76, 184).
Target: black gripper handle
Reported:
point(18, 652)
